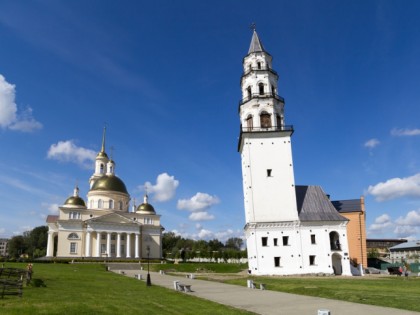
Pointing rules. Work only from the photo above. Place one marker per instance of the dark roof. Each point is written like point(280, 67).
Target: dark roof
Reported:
point(52, 218)
point(352, 205)
point(314, 205)
point(256, 45)
point(406, 246)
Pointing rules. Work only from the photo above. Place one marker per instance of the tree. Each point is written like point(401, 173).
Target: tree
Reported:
point(17, 246)
point(373, 253)
point(234, 243)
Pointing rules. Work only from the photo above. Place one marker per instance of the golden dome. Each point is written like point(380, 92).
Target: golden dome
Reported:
point(109, 183)
point(75, 201)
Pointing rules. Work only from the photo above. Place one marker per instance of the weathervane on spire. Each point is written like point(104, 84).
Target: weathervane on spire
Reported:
point(253, 26)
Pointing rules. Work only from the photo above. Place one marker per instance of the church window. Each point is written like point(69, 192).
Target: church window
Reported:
point(249, 123)
point(100, 203)
point(249, 93)
point(313, 240)
point(113, 237)
point(73, 248)
point(275, 242)
point(259, 65)
point(273, 90)
point(264, 241)
point(103, 236)
point(113, 249)
point(278, 121)
point(120, 205)
point(111, 204)
point(312, 260)
point(261, 88)
point(285, 240)
point(74, 215)
point(269, 172)
point(73, 236)
point(122, 248)
point(265, 120)
point(91, 204)
point(101, 169)
point(103, 248)
point(122, 237)
point(276, 261)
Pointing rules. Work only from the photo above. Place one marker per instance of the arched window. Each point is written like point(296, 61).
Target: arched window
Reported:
point(278, 121)
point(111, 204)
point(273, 90)
point(265, 120)
point(249, 123)
point(120, 205)
point(249, 94)
point(101, 169)
point(73, 236)
point(91, 204)
point(259, 65)
point(261, 88)
point(100, 203)
point(335, 241)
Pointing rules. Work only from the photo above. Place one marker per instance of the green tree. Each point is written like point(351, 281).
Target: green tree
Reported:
point(234, 243)
point(17, 246)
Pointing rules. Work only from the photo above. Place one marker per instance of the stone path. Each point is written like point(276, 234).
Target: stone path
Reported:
point(264, 302)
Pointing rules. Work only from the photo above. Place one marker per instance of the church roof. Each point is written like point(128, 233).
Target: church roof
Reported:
point(52, 218)
point(256, 45)
point(74, 201)
point(352, 205)
point(109, 183)
point(314, 205)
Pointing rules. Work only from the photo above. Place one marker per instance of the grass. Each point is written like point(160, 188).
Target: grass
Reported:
point(388, 291)
point(89, 289)
point(200, 267)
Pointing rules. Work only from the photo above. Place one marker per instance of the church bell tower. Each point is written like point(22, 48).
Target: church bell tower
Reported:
point(265, 143)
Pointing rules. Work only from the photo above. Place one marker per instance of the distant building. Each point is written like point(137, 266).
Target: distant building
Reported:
point(3, 247)
point(408, 252)
point(354, 211)
point(382, 245)
point(289, 229)
point(104, 226)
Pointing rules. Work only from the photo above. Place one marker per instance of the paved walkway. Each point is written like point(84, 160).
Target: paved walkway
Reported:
point(265, 301)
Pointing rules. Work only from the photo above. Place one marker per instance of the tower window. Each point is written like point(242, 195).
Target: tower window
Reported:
point(249, 92)
point(259, 65)
point(265, 120)
point(100, 203)
point(276, 261)
point(278, 121)
point(269, 173)
point(285, 240)
point(261, 88)
point(101, 169)
point(312, 260)
point(275, 241)
point(264, 241)
point(273, 90)
point(249, 123)
point(120, 205)
point(313, 240)
point(111, 204)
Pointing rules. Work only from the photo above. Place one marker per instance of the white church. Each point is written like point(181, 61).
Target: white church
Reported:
point(104, 227)
point(289, 229)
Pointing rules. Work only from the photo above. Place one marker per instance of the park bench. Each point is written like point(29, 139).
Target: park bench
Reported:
point(182, 287)
point(138, 276)
point(11, 281)
point(253, 285)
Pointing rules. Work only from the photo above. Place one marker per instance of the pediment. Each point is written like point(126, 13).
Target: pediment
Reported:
point(112, 218)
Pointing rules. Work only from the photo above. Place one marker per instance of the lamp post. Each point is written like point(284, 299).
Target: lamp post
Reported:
point(148, 282)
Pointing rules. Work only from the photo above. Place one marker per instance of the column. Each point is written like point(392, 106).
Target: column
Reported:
point(136, 251)
point(118, 245)
point(50, 244)
point(88, 240)
point(98, 244)
point(108, 244)
point(128, 246)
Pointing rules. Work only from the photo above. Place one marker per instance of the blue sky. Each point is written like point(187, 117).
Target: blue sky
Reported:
point(164, 77)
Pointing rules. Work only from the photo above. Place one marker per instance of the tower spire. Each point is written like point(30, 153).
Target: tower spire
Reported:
point(103, 140)
point(256, 44)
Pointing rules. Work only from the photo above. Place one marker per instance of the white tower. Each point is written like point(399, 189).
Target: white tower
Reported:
point(101, 162)
point(264, 142)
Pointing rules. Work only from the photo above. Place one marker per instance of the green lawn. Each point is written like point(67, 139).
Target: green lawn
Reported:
point(89, 289)
point(389, 291)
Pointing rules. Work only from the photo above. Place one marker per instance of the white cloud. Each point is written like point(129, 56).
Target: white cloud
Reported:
point(164, 189)
point(371, 143)
point(396, 187)
point(412, 218)
point(199, 202)
point(201, 216)
point(9, 116)
point(52, 208)
point(381, 223)
point(67, 151)
point(405, 132)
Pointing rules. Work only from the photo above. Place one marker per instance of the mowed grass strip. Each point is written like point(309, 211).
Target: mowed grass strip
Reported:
point(89, 289)
point(388, 291)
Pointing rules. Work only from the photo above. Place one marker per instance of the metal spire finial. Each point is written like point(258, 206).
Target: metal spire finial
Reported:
point(253, 26)
point(103, 139)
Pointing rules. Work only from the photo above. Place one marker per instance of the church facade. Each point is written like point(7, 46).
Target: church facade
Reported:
point(104, 227)
point(289, 229)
